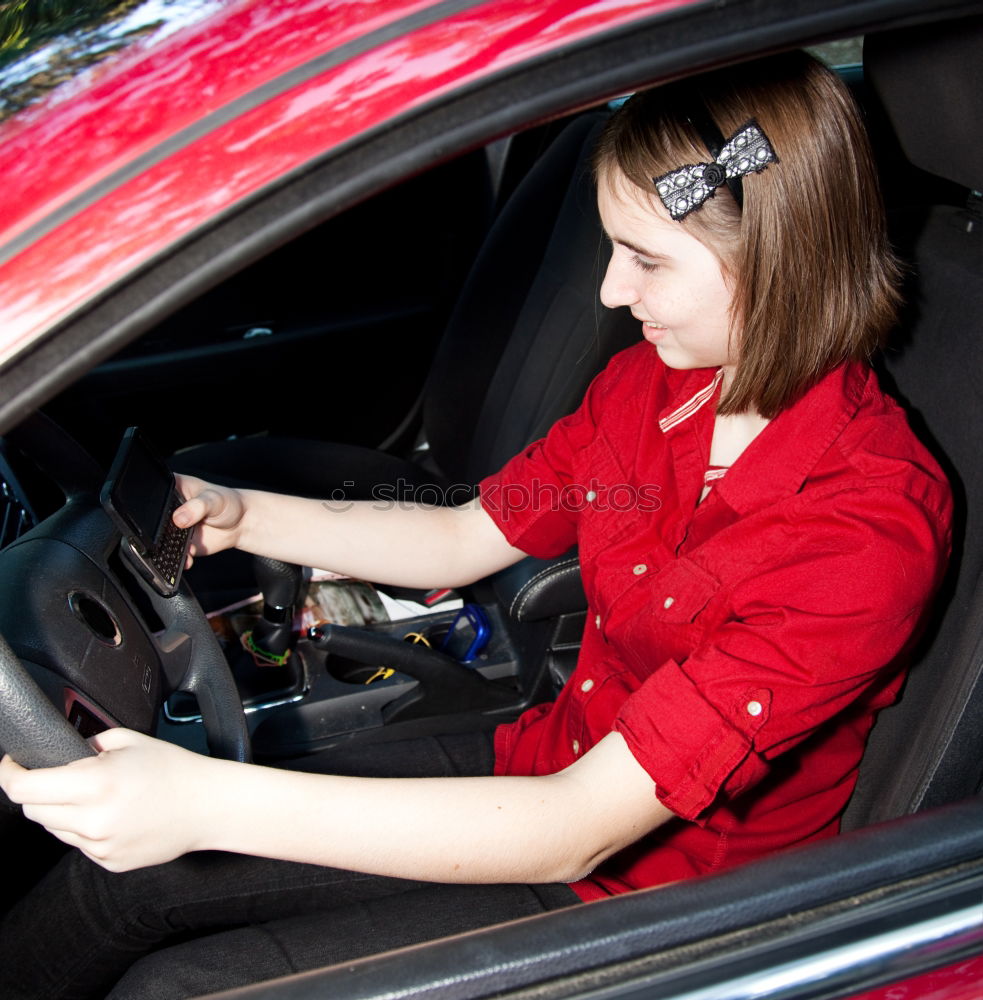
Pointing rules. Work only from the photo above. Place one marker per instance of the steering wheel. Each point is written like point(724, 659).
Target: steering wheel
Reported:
point(85, 642)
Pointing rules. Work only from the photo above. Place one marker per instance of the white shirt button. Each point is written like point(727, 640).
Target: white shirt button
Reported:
point(576, 746)
point(591, 496)
point(668, 602)
point(597, 620)
point(754, 708)
point(587, 685)
point(639, 569)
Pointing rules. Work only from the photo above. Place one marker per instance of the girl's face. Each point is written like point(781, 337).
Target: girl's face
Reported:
point(672, 283)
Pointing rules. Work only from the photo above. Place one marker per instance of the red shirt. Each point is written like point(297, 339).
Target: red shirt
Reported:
point(741, 645)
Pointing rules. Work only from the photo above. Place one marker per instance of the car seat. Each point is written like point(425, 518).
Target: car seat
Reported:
point(524, 340)
point(928, 748)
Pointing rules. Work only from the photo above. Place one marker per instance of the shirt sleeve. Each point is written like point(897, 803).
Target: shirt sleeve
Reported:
point(535, 499)
point(803, 638)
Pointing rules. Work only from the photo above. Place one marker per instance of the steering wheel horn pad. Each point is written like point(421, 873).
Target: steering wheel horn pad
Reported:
point(81, 628)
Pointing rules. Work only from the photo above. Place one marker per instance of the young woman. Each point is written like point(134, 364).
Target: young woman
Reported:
point(759, 534)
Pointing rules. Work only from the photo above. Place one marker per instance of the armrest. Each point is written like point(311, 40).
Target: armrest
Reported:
point(537, 589)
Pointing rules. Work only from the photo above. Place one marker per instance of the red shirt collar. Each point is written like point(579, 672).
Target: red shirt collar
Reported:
point(783, 455)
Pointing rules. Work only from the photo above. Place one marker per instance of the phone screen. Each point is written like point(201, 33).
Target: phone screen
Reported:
point(142, 491)
point(140, 496)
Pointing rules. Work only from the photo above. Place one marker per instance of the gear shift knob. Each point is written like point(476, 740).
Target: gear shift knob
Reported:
point(281, 584)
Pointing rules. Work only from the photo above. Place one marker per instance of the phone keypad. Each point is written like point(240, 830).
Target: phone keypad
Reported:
point(169, 553)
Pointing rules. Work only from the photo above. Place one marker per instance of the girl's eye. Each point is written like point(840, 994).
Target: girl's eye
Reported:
point(644, 265)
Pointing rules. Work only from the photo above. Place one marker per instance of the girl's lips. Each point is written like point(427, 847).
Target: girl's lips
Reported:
point(652, 333)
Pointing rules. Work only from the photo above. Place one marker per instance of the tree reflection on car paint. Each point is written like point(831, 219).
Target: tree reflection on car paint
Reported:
point(39, 53)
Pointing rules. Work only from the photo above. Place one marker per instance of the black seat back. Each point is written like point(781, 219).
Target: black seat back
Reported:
point(528, 332)
point(928, 749)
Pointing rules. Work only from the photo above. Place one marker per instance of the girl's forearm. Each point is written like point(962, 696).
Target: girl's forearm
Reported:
point(496, 829)
point(487, 830)
point(400, 544)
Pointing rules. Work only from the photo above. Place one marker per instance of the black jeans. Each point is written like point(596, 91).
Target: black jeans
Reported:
point(211, 921)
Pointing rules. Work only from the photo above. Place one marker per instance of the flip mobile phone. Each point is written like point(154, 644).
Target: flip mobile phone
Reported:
point(140, 495)
point(468, 635)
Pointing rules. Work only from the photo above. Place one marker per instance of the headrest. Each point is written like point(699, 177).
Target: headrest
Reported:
point(930, 81)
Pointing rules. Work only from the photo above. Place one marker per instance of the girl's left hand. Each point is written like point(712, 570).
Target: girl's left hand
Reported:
point(139, 802)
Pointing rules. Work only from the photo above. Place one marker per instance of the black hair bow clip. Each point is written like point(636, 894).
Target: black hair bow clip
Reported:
point(686, 189)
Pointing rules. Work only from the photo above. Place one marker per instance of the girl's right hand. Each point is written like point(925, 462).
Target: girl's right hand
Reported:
point(215, 512)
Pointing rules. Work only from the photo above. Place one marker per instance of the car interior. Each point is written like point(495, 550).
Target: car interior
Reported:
point(494, 314)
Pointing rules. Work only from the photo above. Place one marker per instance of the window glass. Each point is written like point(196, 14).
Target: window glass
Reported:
point(842, 52)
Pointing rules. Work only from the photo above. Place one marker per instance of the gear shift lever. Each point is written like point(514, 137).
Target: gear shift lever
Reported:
point(280, 584)
point(265, 664)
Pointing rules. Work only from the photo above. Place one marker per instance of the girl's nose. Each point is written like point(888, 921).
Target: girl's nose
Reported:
point(617, 288)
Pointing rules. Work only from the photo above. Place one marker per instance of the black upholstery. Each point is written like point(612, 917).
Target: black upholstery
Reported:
point(529, 332)
point(928, 749)
point(930, 80)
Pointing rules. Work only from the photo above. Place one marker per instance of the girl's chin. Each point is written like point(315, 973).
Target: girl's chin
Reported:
point(676, 359)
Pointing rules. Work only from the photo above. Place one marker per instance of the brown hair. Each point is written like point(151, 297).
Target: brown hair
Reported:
point(815, 282)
